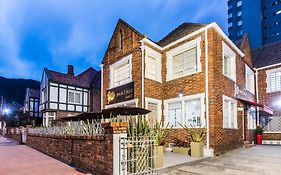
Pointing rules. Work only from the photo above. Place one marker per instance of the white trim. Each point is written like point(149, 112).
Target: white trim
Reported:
point(182, 48)
point(142, 73)
point(224, 97)
point(182, 100)
point(247, 68)
point(272, 132)
point(269, 66)
point(230, 53)
point(268, 82)
point(159, 104)
point(123, 103)
point(214, 25)
point(158, 56)
point(101, 100)
point(116, 64)
point(145, 40)
point(207, 90)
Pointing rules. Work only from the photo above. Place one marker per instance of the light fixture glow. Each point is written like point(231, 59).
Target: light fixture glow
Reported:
point(180, 94)
point(6, 111)
point(278, 12)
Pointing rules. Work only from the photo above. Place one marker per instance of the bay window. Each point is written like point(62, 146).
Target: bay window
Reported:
point(153, 64)
point(74, 97)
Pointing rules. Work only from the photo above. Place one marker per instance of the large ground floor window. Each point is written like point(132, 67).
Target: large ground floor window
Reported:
point(48, 118)
point(271, 123)
point(154, 105)
point(187, 110)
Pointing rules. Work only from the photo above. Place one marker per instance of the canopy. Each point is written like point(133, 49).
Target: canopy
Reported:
point(125, 111)
point(83, 116)
point(261, 106)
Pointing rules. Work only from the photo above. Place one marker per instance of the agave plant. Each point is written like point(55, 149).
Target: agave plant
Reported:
point(197, 133)
point(141, 128)
point(161, 133)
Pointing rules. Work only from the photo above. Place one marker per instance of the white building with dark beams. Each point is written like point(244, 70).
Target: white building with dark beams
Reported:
point(31, 102)
point(64, 95)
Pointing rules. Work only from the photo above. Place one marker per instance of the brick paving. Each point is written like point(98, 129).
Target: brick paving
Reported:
point(22, 160)
point(258, 160)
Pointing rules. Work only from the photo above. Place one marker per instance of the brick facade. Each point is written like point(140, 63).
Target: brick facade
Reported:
point(221, 139)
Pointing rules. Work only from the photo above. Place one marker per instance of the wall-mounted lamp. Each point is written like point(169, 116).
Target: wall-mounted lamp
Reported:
point(180, 94)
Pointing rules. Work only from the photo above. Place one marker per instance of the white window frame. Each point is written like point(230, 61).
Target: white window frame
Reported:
point(252, 83)
point(118, 64)
point(159, 104)
point(158, 57)
point(183, 100)
point(235, 113)
point(226, 50)
point(239, 13)
point(75, 92)
point(239, 3)
point(268, 80)
point(182, 48)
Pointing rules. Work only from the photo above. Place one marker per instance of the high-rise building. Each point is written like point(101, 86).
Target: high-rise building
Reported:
point(261, 19)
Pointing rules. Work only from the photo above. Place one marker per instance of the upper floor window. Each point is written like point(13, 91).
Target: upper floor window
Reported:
point(230, 15)
point(240, 23)
point(240, 33)
point(229, 113)
point(74, 97)
point(250, 79)
point(184, 60)
point(229, 62)
point(120, 72)
point(230, 24)
point(239, 3)
point(153, 65)
point(274, 80)
point(239, 13)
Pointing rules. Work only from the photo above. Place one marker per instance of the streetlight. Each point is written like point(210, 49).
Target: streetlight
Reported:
point(6, 111)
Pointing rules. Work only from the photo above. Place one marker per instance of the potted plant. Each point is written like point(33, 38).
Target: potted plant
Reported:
point(181, 147)
point(160, 134)
point(197, 136)
point(259, 131)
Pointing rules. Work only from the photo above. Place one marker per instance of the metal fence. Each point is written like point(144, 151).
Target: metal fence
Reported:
point(137, 156)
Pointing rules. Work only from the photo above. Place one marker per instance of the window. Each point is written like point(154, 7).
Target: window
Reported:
point(229, 62)
point(251, 117)
point(230, 24)
point(154, 106)
point(271, 124)
point(229, 113)
point(240, 33)
point(120, 72)
point(239, 3)
point(187, 110)
point(74, 97)
point(120, 39)
point(250, 79)
point(175, 114)
point(193, 113)
point(153, 64)
point(239, 13)
point(240, 23)
point(184, 63)
point(230, 15)
point(184, 60)
point(274, 80)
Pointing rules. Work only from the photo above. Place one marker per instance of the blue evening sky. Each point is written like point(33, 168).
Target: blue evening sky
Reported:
point(54, 33)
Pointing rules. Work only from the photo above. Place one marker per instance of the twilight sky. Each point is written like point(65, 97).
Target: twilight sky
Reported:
point(54, 33)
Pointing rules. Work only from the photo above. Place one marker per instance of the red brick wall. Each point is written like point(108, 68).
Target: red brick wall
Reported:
point(95, 100)
point(271, 136)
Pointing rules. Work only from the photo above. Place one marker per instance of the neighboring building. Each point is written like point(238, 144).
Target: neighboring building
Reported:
point(64, 95)
point(261, 19)
point(31, 102)
point(195, 75)
point(267, 61)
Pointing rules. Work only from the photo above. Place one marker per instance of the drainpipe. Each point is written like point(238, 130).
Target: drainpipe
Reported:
point(101, 100)
point(142, 74)
point(257, 96)
point(207, 90)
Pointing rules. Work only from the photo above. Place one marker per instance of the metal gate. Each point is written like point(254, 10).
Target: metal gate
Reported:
point(137, 156)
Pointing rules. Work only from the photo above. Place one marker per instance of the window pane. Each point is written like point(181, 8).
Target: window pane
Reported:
point(151, 67)
point(77, 97)
point(71, 97)
point(193, 113)
point(225, 114)
point(121, 75)
point(275, 81)
point(175, 113)
point(152, 116)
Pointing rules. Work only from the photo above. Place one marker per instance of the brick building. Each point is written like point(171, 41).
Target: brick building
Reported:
point(64, 95)
point(267, 61)
point(195, 75)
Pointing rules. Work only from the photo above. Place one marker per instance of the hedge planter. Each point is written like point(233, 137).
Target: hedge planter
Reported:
point(196, 149)
point(160, 157)
point(180, 150)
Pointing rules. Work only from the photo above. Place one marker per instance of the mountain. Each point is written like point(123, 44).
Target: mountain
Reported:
point(13, 90)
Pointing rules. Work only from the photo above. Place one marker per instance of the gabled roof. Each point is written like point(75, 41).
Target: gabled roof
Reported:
point(267, 55)
point(34, 93)
point(85, 79)
point(241, 41)
point(179, 32)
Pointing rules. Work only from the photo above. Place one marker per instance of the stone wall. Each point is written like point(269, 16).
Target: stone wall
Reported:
point(90, 153)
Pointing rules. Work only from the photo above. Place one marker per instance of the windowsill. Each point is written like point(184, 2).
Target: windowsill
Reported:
point(232, 79)
point(199, 71)
point(159, 81)
point(273, 91)
point(230, 128)
point(253, 93)
point(120, 85)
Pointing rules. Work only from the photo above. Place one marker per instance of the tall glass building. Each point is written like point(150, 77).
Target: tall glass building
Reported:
point(261, 19)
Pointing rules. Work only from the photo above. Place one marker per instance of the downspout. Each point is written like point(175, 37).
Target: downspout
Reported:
point(101, 100)
point(207, 91)
point(142, 74)
point(257, 96)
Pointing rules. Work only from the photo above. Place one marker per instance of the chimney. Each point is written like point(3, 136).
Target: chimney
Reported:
point(70, 70)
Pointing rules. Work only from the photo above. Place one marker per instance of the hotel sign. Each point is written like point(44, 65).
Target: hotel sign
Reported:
point(121, 93)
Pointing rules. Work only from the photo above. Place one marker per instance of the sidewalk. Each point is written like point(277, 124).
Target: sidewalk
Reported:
point(22, 160)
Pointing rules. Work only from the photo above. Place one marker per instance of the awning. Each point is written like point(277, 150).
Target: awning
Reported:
point(83, 116)
point(125, 111)
point(262, 107)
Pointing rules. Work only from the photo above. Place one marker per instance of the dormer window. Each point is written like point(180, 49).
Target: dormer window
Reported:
point(120, 41)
